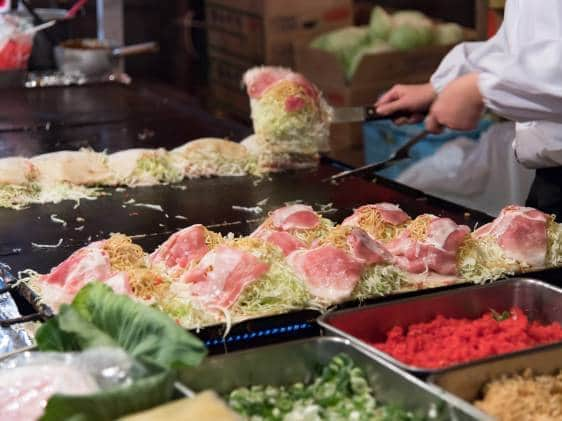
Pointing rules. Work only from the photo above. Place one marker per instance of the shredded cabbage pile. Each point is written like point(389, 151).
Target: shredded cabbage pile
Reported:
point(300, 130)
point(554, 244)
point(18, 196)
point(204, 165)
point(278, 291)
point(158, 166)
point(481, 260)
point(379, 280)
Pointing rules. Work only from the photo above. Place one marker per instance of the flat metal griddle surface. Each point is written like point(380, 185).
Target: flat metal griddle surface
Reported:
point(206, 201)
point(114, 117)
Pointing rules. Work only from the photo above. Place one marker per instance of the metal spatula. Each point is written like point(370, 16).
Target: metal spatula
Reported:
point(362, 114)
point(400, 154)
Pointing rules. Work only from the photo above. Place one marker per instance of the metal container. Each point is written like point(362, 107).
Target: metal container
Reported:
point(92, 57)
point(467, 382)
point(370, 324)
point(298, 361)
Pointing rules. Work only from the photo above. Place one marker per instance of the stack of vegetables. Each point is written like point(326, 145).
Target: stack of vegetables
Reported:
point(401, 31)
point(297, 259)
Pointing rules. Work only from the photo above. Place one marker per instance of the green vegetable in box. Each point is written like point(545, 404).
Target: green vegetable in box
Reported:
point(380, 23)
point(448, 34)
point(376, 46)
point(343, 43)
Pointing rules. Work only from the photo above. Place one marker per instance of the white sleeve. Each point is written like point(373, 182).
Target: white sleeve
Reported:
point(464, 58)
point(521, 67)
point(528, 85)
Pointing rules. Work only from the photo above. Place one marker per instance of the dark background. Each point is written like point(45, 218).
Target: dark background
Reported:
point(182, 57)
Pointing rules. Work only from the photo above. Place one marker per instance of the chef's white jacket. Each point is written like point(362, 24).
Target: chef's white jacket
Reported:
point(520, 77)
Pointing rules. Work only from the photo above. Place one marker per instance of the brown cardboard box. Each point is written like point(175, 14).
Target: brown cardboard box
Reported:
point(375, 74)
point(225, 74)
point(262, 31)
point(246, 33)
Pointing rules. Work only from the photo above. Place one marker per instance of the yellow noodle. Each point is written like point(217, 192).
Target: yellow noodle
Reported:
point(524, 397)
point(370, 219)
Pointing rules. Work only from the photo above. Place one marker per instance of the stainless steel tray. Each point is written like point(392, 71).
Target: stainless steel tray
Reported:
point(467, 382)
point(539, 301)
point(298, 361)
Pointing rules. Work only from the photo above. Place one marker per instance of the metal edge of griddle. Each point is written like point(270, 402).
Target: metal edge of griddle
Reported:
point(423, 372)
point(31, 297)
point(264, 330)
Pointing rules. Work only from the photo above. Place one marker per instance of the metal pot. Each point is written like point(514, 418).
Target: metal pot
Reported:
point(92, 57)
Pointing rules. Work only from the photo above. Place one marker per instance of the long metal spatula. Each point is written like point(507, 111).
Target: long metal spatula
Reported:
point(400, 154)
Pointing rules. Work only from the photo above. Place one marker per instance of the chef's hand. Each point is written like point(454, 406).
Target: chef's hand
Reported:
point(459, 106)
point(415, 99)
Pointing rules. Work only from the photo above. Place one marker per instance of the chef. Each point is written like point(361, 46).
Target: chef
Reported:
point(516, 74)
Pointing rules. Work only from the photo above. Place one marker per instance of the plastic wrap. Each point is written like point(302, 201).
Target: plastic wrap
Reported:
point(15, 43)
point(29, 379)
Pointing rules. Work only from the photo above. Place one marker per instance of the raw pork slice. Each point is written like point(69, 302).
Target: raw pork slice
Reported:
point(221, 276)
point(258, 79)
point(429, 243)
point(328, 272)
point(294, 217)
point(90, 263)
point(521, 233)
point(182, 248)
point(283, 240)
point(366, 249)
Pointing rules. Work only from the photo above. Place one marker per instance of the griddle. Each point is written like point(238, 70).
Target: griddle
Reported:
point(114, 117)
point(207, 201)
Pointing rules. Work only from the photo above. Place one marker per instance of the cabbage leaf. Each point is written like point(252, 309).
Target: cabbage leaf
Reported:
point(99, 317)
point(380, 23)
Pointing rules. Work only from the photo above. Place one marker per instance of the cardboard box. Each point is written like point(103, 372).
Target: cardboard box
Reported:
point(375, 74)
point(225, 75)
point(245, 33)
point(262, 31)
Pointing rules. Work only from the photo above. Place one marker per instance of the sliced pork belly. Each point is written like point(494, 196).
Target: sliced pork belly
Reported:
point(380, 220)
point(283, 240)
point(366, 249)
point(301, 221)
point(90, 263)
point(521, 233)
point(294, 217)
point(183, 248)
point(258, 79)
point(429, 243)
point(329, 272)
point(221, 276)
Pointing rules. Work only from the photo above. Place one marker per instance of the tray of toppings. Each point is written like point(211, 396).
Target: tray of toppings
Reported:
point(521, 387)
point(295, 260)
point(320, 378)
point(429, 333)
